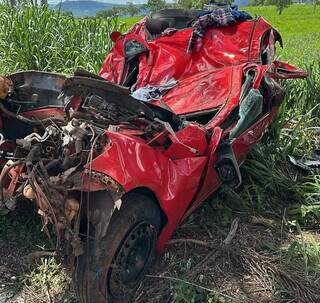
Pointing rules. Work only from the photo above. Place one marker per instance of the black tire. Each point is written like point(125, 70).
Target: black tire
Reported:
point(101, 275)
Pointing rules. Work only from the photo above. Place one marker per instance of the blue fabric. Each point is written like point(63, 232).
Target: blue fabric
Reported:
point(222, 16)
point(203, 13)
point(238, 15)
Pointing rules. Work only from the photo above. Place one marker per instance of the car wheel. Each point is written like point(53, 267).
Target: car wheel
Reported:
point(112, 268)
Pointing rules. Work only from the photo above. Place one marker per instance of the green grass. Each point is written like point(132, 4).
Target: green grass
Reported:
point(24, 229)
point(41, 39)
point(299, 26)
point(129, 21)
point(48, 282)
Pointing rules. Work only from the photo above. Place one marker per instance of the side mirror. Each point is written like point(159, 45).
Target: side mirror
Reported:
point(114, 36)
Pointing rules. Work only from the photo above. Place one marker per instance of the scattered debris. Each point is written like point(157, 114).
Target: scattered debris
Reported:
point(305, 163)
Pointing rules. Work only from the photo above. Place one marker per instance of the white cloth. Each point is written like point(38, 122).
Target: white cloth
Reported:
point(150, 92)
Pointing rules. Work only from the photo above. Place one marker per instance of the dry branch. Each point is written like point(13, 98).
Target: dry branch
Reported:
point(191, 241)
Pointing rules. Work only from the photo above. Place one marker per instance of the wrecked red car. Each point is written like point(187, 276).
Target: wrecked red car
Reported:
point(115, 162)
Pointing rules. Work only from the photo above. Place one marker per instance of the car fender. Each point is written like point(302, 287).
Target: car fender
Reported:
point(134, 164)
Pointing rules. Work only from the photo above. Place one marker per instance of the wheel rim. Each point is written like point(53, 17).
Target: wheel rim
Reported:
point(132, 259)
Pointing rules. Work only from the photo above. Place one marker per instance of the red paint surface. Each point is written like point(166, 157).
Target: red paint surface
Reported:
point(210, 78)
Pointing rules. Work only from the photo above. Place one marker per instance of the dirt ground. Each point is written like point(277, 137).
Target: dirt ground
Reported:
point(204, 262)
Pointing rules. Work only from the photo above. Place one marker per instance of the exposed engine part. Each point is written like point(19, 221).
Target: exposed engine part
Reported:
point(6, 154)
point(29, 193)
point(54, 157)
point(76, 132)
point(71, 208)
point(1, 138)
point(9, 179)
point(50, 131)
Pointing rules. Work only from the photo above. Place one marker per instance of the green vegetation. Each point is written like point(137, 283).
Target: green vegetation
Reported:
point(129, 21)
point(13, 228)
point(155, 5)
point(38, 38)
point(276, 247)
point(280, 4)
point(130, 9)
point(46, 281)
point(133, 10)
point(299, 26)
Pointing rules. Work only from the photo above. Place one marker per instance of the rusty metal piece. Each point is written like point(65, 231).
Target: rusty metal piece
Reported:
point(5, 85)
point(29, 193)
point(11, 171)
point(71, 208)
point(60, 226)
point(109, 183)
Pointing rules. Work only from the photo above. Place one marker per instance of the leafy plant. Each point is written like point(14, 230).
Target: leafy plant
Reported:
point(185, 293)
point(305, 254)
point(48, 282)
point(42, 39)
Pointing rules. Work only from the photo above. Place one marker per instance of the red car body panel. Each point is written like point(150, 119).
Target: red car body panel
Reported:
point(182, 175)
point(181, 185)
point(167, 57)
point(209, 78)
point(174, 182)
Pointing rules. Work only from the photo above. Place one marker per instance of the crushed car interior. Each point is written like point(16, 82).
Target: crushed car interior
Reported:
point(114, 162)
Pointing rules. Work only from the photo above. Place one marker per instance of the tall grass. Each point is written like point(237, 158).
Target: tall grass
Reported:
point(42, 39)
point(270, 180)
